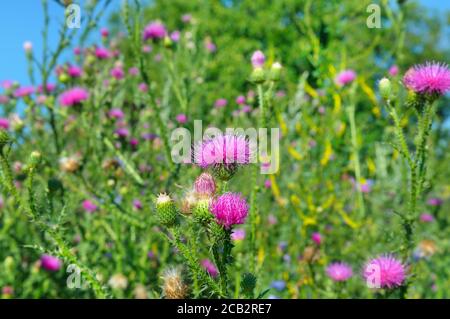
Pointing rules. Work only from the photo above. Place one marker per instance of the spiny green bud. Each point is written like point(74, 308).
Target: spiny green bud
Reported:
point(225, 172)
point(63, 78)
point(275, 71)
point(218, 233)
point(166, 210)
point(385, 88)
point(167, 42)
point(201, 212)
point(258, 75)
point(248, 283)
point(4, 139)
point(35, 158)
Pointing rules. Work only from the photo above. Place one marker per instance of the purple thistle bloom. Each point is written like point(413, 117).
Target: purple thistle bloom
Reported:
point(386, 271)
point(24, 91)
point(317, 238)
point(210, 46)
point(50, 88)
point(175, 36)
point(122, 132)
point(429, 78)
point(339, 271)
point(220, 103)
point(393, 70)
point(137, 204)
point(73, 96)
point(89, 206)
point(205, 185)
point(240, 100)
point(434, 201)
point(345, 77)
point(154, 30)
point(210, 268)
point(74, 71)
point(50, 263)
point(258, 59)
point(426, 218)
point(181, 118)
point(102, 53)
point(238, 234)
point(133, 71)
point(223, 149)
point(116, 113)
point(229, 209)
point(4, 123)
point(117, 73)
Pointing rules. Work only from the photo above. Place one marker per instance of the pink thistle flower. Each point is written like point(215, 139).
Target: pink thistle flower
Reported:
point(210, 46)
point(387, 269)
point(117, 73)
point(393, 70)
point(102, 53)
point(240, 100)
point(143, 87)
point(23, 91)
point(345, 77)
point(220, 103)
point(122, 132)
point(186, 18)
point(229, 209)
point(246, 109)
point(4, 99)
point(154, 30)
point(317, 238)
point(133, 71)
point(435, 201)
point(238, 234)
point(89, 206)
point(426, 218)
point(223, 149)
point(428, 78)
point(116, 113)
point(258, 59)
point(210, 268)
point(339, 271)
point(77, 51)
point(175, 36)
point(181, 118)
point(205, 185)
point(50, 263)
point(73, 96)
point(74, 71)
point(4, 123)
point(137, 204)
point(104, 32)
point(50, 88)
point(147, 49)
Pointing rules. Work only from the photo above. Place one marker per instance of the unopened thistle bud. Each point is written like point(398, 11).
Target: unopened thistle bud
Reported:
point(275, 71)
point(4, 139)
point(35, 158)
point(205, 185)
point(201, 211)
point(385, 88)
point(166, 210)
point(225, 172)
point(248, 283)
point(173, 284)
point(167, 42)
point(258, 75)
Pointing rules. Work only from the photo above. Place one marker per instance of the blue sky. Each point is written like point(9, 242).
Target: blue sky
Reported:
point(22, 20)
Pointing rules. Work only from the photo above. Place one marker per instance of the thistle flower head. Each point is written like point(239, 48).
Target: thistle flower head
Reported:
point(258, 59)
point(50, 263)
point(339, 271)
point(154, 30)
point(345, 77)
point(229, 209)
point(428, 78)
point(118, 281)
point(387, 270)
point(204, 185)
point(73, 96)
point(210, 268)
point(173, 284)
point(166, 210)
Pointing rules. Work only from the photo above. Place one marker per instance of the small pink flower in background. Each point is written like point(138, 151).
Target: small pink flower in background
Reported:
point(73, 96)
point(186, 18)
point(389, 271)
point(104, 32)
point(258, 59)
point(137, 204)
point(210, 46)
point(426, 218)
point(50, 263)
point(240, 100)
point(321, 110)
point(116, 113)
point(23, 91)
point(7, 84)
point(272, 220)
point(74, 71)
point(229, 209)
point(4, 123)
point(430, 78)
point(117, 73)
point(175, 36)
point(345, 77)
point(435, 201)
point(210, 268)
point(89, 206)
point(41, 99)
point(147, 49)
point(267, 183)
point(205, 185)
point(77, 51)
point(28, 46)
point(50, 88)
point(133, 71)
point(134, 142)
point(122, 132)
point(181, 118)
point(154, 30)
point(280, 94)
point(143, 87)
point(220, 103)
point(393, 70)
point(102, 53)
point(4, 99)
point(238, 234)
point(339, 271)
point(317, 238)
point(246, 109)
